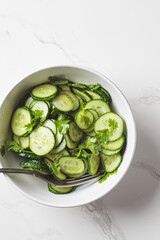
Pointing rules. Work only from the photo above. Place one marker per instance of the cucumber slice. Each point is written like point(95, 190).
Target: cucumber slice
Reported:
point(73, 98)
point(42, 141)
point(40, 105)
point(94, 113)
point(98, 105)
point(106, 120)
point(16, 139)
point(93, 164)
point(56, 156)
point(75, 133)
point(91, 134)
point(93, 94)
point(115, 144)
point(44, 92)
point(107, 95)
point(110, 152)
point(111, 163)
point(84, 119)
point(85, 96)
point(37, 165)
point(59, 190)
point(90, 129)
point(71, 165)
point(59, 138)
point(80, 99)
point(82, 173)
point(29, 101)
point(69, 142)
point(63, 102)
point(102, 94)
point(77, 85)
point(24, 142)
point(58, 149)
point(95, 116)
point(20, 119)
point(65, 88)
point(57, 80)
point(54, 170)
point(50, 124)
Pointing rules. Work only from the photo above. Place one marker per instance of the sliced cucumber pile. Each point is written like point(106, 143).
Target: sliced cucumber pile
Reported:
point(66, 129)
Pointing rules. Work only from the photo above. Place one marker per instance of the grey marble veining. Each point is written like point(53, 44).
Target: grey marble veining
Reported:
point(155, 172)
point(49, 233)
point(106, 36)
point(152, 96)
point(52, 40)
point(100, 214)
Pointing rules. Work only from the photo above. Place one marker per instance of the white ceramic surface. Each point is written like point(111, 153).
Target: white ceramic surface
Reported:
point(35, 188)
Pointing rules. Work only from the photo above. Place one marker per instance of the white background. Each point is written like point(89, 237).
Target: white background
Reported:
point(121, 39)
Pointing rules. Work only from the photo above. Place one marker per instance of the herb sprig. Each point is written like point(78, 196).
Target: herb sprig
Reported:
point(37, 119)
point(62, 123)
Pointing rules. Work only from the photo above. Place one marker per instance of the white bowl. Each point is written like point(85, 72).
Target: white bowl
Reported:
point(36, 189)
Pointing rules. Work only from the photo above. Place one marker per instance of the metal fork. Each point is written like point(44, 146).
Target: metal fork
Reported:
point(71, 182)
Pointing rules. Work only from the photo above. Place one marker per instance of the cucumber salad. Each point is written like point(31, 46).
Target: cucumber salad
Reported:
point(67, 129)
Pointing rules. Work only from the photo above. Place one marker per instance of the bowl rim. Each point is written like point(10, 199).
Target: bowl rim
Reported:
point(103, 76)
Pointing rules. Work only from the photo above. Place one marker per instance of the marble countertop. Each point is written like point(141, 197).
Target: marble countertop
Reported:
point(120, 39)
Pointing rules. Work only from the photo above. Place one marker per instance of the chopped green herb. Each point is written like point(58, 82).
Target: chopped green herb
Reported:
point(62, 123)
point(37, 119)
point(14, 147)
point(93, 145)
point(101, 180)
point(103, 136)
point(112, 123)
point(12, 144)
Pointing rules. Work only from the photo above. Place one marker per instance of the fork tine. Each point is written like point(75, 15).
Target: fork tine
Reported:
point(83, 178)
point(50, 179)
point(78, 181)
point(73, 178)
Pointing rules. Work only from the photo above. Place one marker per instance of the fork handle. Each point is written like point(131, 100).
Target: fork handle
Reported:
point(16, 170)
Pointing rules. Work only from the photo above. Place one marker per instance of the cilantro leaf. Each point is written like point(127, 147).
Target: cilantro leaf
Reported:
point(37, 113)
point(62, 123)
point(13, 146)
point(63, 126)
point(103, 135)
point(85, 154)
point(37, 119)
point(93, 145)
point(112, 123)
